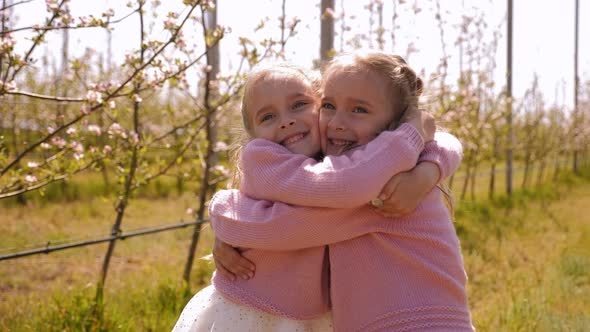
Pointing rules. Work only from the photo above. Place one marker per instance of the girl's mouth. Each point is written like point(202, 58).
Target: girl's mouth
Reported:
point(293, 138)
point(341, 145)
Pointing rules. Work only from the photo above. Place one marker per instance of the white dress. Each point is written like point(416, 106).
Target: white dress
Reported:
point(208, 311)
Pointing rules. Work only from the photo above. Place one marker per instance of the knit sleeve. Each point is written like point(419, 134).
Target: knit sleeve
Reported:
point(242, 221)
point(445, 151)
point(271, 172)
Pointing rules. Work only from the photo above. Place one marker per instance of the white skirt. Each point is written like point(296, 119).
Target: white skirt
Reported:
point(208, 311)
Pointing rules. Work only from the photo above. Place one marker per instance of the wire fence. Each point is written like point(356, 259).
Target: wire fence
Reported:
point(69, 243)
point(48, 248)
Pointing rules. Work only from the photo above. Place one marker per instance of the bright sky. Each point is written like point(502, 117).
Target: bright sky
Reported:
point(543, 34)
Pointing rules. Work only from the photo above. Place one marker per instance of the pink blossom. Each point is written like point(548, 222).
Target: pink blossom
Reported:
point(8, 86)
point(7, 43)
point(94, 96)
point(190, 211)
point(222, 170)
point(220, 146)
point(109, 13)
point(94, 129)
point(45, 146)
point(209, 4)
point(130, 58)
point(67, 19)
point(134, 137)
point(59, 142)
point(107, 149)
point(180, 42)
point(71, 131)
point(77, 146)
point(165, 69)
point(85, 109)
point(84, 21)
point(78, 156)
point(51, 4)
point(30, 178)
point(32, 164)
point(116, 130)
point(170, 24)
point(112, 104)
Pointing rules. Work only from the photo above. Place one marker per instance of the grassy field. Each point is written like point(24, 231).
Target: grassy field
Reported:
point(528, 262)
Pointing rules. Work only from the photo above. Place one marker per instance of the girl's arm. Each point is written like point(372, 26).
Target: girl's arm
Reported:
point(245, 222)
point(271, 172)
point(404, 191)
point(445, 152)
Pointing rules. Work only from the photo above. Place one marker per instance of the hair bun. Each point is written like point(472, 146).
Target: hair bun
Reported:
point(419, 86)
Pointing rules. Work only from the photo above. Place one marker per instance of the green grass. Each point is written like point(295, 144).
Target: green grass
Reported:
point(88, 186)
point(528, 261)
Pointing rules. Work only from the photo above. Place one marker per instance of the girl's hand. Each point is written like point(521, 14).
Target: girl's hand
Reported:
point(422, 121)
point(405, 191)
point(230, 262)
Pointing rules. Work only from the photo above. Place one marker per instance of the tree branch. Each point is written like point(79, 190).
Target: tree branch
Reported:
point(109, 96)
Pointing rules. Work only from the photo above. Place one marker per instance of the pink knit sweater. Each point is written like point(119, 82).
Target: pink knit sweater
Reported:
point(386, 274)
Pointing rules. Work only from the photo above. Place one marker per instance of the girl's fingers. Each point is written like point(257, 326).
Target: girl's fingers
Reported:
point(233, 261)
point(388, 189)
point(243, 267)
point(225, 272)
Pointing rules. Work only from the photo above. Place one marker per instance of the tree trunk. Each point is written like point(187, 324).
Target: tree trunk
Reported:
point(123, 199)
point(473, 176)
point(211, 93)
point(63, 86)
point(466, 180)
point(509, 152)
point(556, 171)
point(380, 28)
point(282, 20)
point(527, 165)
point(541, 172)
point(326, 32)
point(576, 87)
point(492, 187)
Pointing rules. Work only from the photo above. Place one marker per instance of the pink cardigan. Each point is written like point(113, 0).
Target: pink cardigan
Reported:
point(385, 274)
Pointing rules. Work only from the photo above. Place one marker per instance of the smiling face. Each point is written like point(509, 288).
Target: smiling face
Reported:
point(284, 109)
point(356, 106)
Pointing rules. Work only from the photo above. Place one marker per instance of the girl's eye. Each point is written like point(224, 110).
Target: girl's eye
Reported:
point(266, 117)
point(328, 106)
point(359, 110)
point(299, 104)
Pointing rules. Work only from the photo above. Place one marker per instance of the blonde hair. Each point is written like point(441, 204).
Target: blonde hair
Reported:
point(405, 85)
point(275, 70)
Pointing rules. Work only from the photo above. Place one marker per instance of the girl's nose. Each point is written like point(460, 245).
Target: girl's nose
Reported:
point(289, 123)
point(336, 123)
